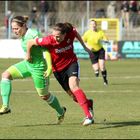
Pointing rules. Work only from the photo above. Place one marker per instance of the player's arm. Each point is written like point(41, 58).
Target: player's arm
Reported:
point(48, 59)
point(105, 42)
point(78, 36)
point(104, 39)
point(30, 43)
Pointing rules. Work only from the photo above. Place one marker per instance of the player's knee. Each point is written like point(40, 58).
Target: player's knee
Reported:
point(43, 93)
point(6, 75)
point(45, 97)
point(71, 95)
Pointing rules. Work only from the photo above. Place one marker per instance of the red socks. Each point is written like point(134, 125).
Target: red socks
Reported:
point(82, 100)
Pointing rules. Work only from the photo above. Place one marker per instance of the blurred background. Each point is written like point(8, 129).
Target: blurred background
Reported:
point(119, 19)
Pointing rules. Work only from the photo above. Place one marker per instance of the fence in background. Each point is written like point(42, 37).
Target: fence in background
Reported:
point(79, 19)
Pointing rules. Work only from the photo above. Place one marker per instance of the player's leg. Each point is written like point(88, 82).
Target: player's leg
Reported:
point(103, 71)
point(5, 92)
point(94, 62)
point(102, 66)
point(81, 98)
point(73, 73)
point(42, 87)
point(90, 101)
point(13, 72)
point(63, 79)
point(96, 69)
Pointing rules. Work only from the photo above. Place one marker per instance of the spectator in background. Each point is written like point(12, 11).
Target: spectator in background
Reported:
point(125, 14)
point(111, 10)
point(6, 22)
point(133, 13)
point(138, 15)
point(139, 9)
point(100, 13)
point(44, 7)
point(33, 20)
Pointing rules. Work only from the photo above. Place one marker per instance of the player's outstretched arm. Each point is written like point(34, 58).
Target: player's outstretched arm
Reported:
point(83, 44)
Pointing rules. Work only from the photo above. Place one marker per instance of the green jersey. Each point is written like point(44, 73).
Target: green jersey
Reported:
point(36, 52)
point(36, 68)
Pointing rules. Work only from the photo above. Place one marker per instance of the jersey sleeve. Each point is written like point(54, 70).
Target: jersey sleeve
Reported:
point(45, 41)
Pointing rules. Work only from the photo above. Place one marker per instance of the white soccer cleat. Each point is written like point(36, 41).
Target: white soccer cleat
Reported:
point(4, 110)
point(88, 121)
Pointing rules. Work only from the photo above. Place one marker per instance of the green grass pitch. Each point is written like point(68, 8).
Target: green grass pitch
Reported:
point(116, 106)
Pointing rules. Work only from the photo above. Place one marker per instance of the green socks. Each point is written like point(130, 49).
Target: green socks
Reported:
point(54, 103)
point(5, 86)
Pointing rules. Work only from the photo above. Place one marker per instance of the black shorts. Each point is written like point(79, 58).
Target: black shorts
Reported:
point(97, 55)
point(63, 76)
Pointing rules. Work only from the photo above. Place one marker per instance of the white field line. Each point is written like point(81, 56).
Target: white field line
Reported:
point(89, 91)
point(87, 78)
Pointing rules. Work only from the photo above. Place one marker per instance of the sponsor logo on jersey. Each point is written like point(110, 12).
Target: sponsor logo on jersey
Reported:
point(63, 49)
point(40, 40)
point(74, 72)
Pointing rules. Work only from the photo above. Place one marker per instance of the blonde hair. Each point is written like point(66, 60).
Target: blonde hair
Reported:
point(20, 20)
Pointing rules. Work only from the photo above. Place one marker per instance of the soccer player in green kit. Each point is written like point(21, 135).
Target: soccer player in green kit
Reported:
point(38, 69)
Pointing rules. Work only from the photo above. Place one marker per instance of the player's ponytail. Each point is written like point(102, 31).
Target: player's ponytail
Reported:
point(68, 27)
point(25, 18)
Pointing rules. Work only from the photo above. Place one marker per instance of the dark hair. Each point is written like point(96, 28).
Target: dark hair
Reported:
point(63, 27)
point(20, 20)
point(93, 20)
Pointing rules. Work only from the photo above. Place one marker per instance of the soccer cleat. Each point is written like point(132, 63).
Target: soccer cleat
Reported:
point(91, 108)
point(4, 110)
point(105, 82)
point(96, 74)
point(61, 118)
point(88, 121)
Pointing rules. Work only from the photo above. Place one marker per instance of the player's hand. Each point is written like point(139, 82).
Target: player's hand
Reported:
point(105, 42)
point(28, 58)
point(48, 72)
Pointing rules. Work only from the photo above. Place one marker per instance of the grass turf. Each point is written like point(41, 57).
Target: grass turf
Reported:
point(116, 106)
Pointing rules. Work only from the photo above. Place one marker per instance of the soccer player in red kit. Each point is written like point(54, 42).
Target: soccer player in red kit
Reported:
point(65, 63)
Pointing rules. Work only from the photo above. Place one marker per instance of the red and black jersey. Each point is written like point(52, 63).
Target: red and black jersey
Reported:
point(62, 53)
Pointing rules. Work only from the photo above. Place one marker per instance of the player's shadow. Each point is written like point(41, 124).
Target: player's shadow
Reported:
point(33, 125)
point(120, 124)
point(47, 124)
point(126, 83)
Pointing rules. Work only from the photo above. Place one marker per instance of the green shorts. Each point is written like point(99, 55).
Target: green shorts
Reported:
point(24, 70)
